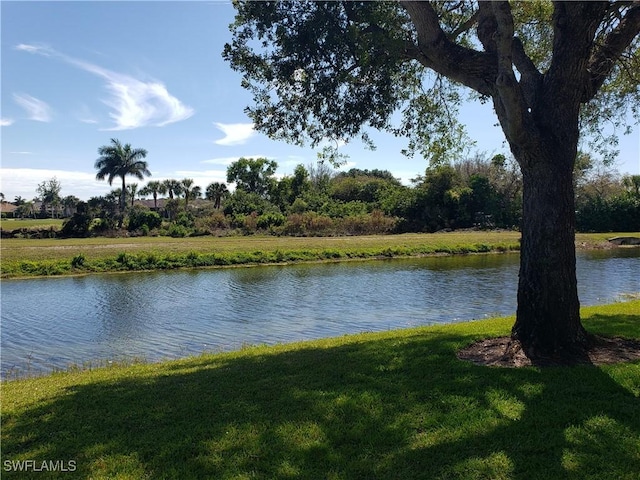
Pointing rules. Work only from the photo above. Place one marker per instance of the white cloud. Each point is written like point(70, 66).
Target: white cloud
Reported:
point(90, 121)
point(235, 133)
point(22, 153)
point(5, 122)
point(39, 49)
point(24, 181)
point(36, 109)
point(134, 103)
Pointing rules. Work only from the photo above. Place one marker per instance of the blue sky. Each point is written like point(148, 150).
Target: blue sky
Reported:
point(76, 74)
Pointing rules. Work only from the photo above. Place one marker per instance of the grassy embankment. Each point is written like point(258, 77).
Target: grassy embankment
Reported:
point(15, 223)
point(397, 404)
point(37, 257)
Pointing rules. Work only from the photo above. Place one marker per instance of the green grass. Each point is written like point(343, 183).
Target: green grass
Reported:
point(34, 257)
point(38, 257)
point(15, 223)
point(392, 405)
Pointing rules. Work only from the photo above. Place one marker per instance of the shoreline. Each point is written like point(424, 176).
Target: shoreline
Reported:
point(26, 259)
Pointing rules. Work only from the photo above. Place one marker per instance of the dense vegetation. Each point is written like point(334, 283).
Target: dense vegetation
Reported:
point(319, 201)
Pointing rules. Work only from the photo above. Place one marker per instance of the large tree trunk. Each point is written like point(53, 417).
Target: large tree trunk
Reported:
point(548, 315)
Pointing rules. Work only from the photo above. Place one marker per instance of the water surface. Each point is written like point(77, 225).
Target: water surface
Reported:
point(54, 322)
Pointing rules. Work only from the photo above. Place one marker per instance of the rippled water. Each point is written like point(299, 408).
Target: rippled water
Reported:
point(51, 323)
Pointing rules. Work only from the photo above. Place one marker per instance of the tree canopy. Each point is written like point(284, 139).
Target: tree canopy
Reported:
point(253, 175)
point(118, 160)
point(321, 70)
point(333, 70)
point(49, 193)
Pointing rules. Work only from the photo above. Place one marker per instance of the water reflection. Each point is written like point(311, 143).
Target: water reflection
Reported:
point(170, 314)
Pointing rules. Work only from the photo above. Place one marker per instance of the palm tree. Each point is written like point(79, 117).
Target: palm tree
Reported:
point(187, 185)
point(215, 192)
point(70, 203)
point(154, 188)
point(26, 209)
point(132, 189)
point(117, 160)
point(172, 187)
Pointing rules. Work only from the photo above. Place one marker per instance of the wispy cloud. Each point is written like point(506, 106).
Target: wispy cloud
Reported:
point(36, 109)
point(22, 153)
point(5, 122)
point(37, 48)
point(235, 133)
point(134, 103)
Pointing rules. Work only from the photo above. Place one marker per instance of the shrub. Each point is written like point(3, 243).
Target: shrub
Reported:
point(617, 214)
point(78, 261)
point(185, 219)
point(268, 220)
point(140, 216)
point(212, 223)
point(309, 223)
point(373, 223)
point(318, 224)
point(299, 206)
point(77, 226)
point(250, 223)
point(178, 231)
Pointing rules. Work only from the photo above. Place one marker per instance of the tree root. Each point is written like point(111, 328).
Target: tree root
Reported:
point(507, 352)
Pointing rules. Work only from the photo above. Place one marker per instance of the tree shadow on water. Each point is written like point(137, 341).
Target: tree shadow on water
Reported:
point(402, 407)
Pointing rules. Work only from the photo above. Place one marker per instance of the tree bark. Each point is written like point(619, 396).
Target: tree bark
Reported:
point(548, 314)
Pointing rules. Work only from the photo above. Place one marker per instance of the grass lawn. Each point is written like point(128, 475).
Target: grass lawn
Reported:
point(392, 405)
point(33, 257)
point(15, 223)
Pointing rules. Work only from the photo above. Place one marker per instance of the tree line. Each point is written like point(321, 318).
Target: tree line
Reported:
point(477, 192)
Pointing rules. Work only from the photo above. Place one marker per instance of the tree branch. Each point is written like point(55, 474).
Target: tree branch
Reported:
point(476, 70)
point(574, 29)
point(487, 27)
point(510, 94)
point(615, 43)
point(465, 26)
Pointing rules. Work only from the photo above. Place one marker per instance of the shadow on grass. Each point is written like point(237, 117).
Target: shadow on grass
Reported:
point(609, 325)
point(399, 407)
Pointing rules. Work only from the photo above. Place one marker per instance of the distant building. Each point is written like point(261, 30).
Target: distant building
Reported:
point(7, 209)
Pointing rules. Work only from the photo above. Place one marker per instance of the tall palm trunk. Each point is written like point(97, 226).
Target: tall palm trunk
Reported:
point(123, 203)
